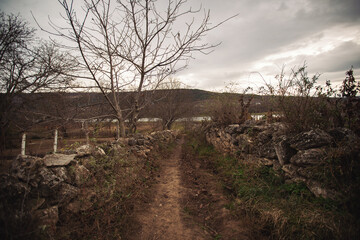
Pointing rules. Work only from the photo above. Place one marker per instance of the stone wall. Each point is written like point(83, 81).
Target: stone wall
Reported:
point(297, 157)
point(40, 188)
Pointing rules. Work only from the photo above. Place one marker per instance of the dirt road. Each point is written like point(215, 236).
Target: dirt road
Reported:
point(184, 208)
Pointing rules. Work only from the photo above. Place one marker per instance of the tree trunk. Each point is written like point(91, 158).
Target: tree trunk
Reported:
point(120, 125)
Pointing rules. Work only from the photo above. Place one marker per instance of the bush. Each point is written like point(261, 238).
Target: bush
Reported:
point(229, 109)
point(303, 105)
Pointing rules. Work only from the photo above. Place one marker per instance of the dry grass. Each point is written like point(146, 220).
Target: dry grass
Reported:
point(282, 210)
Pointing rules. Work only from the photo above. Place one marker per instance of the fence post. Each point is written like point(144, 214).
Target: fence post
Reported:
point(117, 129)
point(55, 140)
point(23, 144)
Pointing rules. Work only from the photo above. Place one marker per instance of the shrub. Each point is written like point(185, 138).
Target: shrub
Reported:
point(229, 108)
point(303, 105)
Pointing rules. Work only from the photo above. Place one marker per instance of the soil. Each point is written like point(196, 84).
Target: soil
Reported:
point(187, 202)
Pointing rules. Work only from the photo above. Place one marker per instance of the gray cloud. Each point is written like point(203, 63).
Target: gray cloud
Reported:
point(262, 28)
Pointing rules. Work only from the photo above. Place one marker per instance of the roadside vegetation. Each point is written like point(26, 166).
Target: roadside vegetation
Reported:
point(281, 210)
point(119, 180)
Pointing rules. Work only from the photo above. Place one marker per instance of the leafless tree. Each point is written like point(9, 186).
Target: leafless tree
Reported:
point(26, 66)
point(172, 103)
point(132, 43)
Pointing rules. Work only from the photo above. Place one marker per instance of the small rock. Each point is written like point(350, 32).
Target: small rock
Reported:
point(283, 150)
point(57, 160)
point(66, 193)
point(140, 142)
point(62, 173)
point(80, 174)
point(84, 150)
point(131, 142)
point(289, 170)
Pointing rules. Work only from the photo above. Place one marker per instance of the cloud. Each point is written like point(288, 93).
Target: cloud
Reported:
point(262, 37)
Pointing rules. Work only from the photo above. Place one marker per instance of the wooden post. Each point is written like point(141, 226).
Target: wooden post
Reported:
point(87, 132)
point(55, 140)
point(23, 143)
point(117, 129)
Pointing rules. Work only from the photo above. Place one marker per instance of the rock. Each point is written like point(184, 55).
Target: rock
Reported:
point(48, 183)
point(66, 193)
point(244, 143)
point(283, 150)
point(266, 162)
point(25, 168)
point(84, 150)
point(231, 129)
point(318, 190)
point(131, 142)
point(311, 139)
point(62, 173)
point(47, 218)
point(140, 141)
point(290, 170)
point(10, 187)
point(80, 174)
point(84, 202)
point(87, 150)
point(309, 157)
point(99, 151)
point(266, 150)
point(23, 162)
point(57, 160)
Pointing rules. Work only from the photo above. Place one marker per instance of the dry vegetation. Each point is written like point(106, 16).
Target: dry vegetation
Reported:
point(280, 210)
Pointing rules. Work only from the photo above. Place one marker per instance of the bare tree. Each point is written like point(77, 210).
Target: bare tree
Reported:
point(26, 67)
point(133, 43)
point(172, 103)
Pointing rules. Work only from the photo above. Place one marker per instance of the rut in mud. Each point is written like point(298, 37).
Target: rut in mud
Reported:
point(186, 203)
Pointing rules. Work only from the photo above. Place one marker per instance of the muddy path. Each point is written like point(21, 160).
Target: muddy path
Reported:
point(186, 202)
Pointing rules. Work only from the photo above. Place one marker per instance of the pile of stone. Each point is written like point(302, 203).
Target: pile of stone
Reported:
point(41, 187)
point(296, 156)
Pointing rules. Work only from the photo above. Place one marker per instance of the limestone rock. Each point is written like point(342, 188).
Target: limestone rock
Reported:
point(311, 139)
point(25, 168)
point(312, 156)
point(66, 193)
point(87, 150)
point(283, 150)
point(48, 183)
point(79, 174)
point(62, 173)
point(58, 160)
point(318, 190)
point(266, 150)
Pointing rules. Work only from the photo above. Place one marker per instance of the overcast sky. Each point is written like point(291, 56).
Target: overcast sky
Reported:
point(265, 35)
